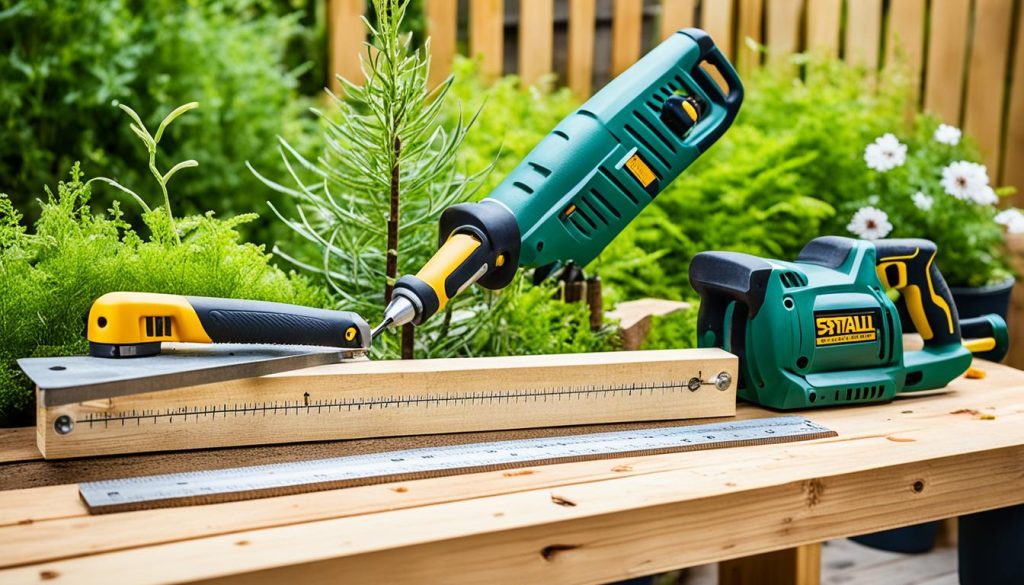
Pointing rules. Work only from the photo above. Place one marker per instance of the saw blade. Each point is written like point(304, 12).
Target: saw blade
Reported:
point(73, 379)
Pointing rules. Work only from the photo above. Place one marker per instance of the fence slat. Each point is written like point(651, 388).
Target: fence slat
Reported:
point(536, 39)
point(627, 24)
point(864, 33)
point(751, 14)
point(716, 19)
point(782, 30)
point(442, 23)
point(986, 77)
point(580, 56)
point(905, 39)
point(347, 35)
point(487, 35)
point(1013, 157)
point(823, 26)
point(946, 57)
point(676, 14)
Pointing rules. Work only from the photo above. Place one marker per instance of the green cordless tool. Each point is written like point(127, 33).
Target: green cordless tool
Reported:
point(823, 331)
point(585, 181)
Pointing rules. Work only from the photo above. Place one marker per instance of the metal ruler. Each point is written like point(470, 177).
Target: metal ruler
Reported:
point(242, 483)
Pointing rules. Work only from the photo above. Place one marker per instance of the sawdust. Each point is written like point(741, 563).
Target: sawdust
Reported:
point(900, 439)
point(400, 489)
point(562, 501)
point(518, 473)
point(970, 411)
point(975, 373)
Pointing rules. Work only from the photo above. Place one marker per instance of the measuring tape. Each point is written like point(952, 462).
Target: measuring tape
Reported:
point(242, 483)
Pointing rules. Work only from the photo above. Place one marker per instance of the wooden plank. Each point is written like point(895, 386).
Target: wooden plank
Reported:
point(627, 25)
point(593, 532)
point(676, 15)
point(18, 444)
point(986, 77)
point(487, 35)
point(823, 26)
point(782, 30)
point(717, 20)
point(536, 39)
point(947, 57)
point(1012, 171)
point(580, 56)
point(905, 39)
point(923, 439)
point(864, 34)
point(386, 398)
point(751, 16)
point(442, 27)
point(636, 317)
point(792, 566)
point(345, 39)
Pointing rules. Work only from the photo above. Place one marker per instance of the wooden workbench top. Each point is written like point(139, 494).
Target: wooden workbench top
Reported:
point(912, 460)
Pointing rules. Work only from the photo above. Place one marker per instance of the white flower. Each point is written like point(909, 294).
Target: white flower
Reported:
point(947, 134)
point(966, 181)
point(986, 196)
point(1013, 219)
point(870, 223)
point(885, 153)
point(922, 201)
point(873, 199)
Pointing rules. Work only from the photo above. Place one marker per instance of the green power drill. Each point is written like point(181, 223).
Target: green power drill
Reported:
point(822, 331)
point(585, 181)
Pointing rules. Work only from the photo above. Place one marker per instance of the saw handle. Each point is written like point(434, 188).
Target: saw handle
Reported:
point(728, 100)
point(127, 324)
point(908, 266)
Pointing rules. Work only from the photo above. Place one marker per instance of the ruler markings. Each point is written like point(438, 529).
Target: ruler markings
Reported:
point(500, 396)
point(202, 487)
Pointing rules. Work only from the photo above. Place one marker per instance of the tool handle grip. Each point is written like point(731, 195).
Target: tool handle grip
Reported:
point(243, 321)
point(460, 261)
point(987, 327)
point(727, 102)
point(908, 265)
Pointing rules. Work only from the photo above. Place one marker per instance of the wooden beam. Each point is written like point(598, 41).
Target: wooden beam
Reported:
point(346, 37)
point(864, 34)
point(823, 18)
point(987, 78)
point(717, 20)
point(792, 566)
point(676, 15)
point(783, 30)
point(536, 39)
point(442, 27)
point(627, 24)
point(487, 35)
point(947, 56)
point(386, 398)
point(905, 40)
point(751, 16)
point(1013, 159)
point(580, 69)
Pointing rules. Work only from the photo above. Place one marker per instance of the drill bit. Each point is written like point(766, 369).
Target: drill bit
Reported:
point(399, 312)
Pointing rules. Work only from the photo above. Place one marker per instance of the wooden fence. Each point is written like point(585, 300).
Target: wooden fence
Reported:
point(967, 56)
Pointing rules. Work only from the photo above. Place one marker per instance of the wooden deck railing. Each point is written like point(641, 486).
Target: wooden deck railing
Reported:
point(967, 56)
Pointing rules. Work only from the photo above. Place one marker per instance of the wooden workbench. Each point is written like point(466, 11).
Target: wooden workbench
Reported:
point(895, 464)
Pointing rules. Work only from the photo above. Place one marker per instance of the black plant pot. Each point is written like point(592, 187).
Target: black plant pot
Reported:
point(970, 302)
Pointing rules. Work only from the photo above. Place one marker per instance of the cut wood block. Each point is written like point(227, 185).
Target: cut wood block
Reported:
point(635, 318)
point(390, 398)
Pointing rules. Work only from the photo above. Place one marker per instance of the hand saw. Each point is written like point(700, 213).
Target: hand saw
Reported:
point(207, 340)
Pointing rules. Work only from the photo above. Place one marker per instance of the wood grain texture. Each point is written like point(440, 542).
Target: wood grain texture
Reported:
point(947, 57)
point(905, 39)
point(636, 317)
point(987, 77)
point(487, 35)
point(792, 566)
point(18, 444)
point(580, 69)
point(627, 26)
point(864, 34)
point(717, 19)
point(893, 464)
point(823, 26)
point(782, 30)
point(748, 28)
point(1013, 157)
point(675, 15)
point(442, 27)
point(536, 39)
point(387, 398)
point(345, 41)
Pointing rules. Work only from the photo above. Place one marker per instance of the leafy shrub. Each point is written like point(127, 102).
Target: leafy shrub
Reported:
point(66, 63)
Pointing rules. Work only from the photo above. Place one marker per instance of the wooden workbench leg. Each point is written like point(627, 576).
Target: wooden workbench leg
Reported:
point(794, 566)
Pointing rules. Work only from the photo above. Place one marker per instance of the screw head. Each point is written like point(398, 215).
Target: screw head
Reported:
point(693, 384)
point(63, 425)
point(723, 380)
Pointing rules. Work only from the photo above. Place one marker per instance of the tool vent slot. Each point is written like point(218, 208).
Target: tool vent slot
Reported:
point(581, 220)
point(618, 184)
point(523, 187)
point(541, 169)
point(861, 393)
point(650, 149)
point(588, 205)
point(595, 199)
point(792, 280)
point(654, 130)
point(158, 326)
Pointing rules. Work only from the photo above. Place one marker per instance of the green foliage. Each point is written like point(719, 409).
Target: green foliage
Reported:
point(66, 63)
point(394, 123)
